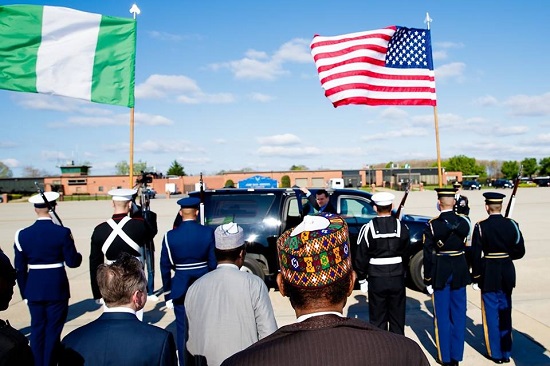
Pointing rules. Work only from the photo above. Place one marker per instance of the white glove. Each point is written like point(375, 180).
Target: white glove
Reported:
point(364, 285)
point(99, 301)
point(26, 301)
point(169, 304)
point(430, 289)
point(475, 286)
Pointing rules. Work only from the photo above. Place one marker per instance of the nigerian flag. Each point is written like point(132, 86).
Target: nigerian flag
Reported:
point(61, 51)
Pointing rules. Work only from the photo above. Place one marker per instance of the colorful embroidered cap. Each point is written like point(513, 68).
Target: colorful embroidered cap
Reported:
point(315, 253)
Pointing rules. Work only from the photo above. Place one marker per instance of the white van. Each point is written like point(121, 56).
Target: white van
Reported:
point(336, 183)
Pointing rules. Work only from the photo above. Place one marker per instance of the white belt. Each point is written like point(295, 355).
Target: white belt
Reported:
point(187, 267)
point(45, 266)
point(390, 260)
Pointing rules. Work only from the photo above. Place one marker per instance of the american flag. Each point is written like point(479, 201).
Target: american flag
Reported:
point(389, 66)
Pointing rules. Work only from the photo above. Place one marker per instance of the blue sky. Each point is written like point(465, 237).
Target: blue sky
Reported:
point(227, 85)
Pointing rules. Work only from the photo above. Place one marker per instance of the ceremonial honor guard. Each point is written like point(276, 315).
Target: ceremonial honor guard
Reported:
point(380, 264)
point(500, 241)
point(117, 235)
point(188, 250)
point(41, 252)
point(461, 202)
point(446, 275)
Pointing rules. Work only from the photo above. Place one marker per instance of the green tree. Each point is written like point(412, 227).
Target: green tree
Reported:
point(123, 168)
point(544, 164)
point(299, 167)
point(229, 184)
point(389, 165)
point(5, 171)
point(32, 172)
point(285, 181)
point(529, 166)
point(510, 169)
point(464, 164)
point(176, 169)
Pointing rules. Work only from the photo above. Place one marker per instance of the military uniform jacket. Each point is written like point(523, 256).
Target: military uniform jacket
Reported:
point(331, 340)
point(133, 229)
point(444, 245)
point(188, 250)
point(41, 252)
point(383, 244)
point(500, 241)
point(14, 347)
point(461, 205)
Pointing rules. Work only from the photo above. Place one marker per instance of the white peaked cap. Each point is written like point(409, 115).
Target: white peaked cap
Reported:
point(122, 194)
point(38, 200)
point(383, 198)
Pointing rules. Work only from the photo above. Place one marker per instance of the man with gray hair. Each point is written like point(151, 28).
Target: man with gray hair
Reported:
point(227, 309)
point(117, 337)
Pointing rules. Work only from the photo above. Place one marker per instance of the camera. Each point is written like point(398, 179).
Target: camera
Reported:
point(145, 178)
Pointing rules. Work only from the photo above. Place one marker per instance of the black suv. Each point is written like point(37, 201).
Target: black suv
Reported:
point(471, 185)
point(503, 183)
point(266, 213)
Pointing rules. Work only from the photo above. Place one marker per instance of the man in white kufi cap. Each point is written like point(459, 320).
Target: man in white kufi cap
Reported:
point(380, 262)
point(42, 251)
point(117, 235)
point(228, 310)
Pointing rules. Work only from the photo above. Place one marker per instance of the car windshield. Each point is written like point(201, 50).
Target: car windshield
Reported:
point(242, 209)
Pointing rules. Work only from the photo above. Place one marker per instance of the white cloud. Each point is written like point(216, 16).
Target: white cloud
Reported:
point(529, 105)
point(406, 132)
point(259, 97)
point(11, 163)
point(202, 98)
point(452, 70)
point(543, 139)
point(280, 140)
point(394, 113)
point(509, 131)
point(296, 50)
point(486, 101)
point(147, 119)
point(448, 45)
point(439, 55)
point(158, 86)
point(161, 147)
point(7, 144)
point(285, 151)
point(165, 36)
point(53, 155)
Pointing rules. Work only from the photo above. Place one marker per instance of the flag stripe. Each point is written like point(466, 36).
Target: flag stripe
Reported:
point(66, 53)
point(355, 69)
point(19, 25)
point(115, 61)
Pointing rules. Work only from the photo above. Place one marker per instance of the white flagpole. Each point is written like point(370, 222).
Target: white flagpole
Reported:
point(135, 11)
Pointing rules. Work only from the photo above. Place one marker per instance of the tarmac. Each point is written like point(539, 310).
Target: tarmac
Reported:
point(531, 298)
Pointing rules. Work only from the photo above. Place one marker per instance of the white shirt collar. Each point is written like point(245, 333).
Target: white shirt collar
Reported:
point(311, 315)
point(119, 309)
point(228, 265)
point(44, 218)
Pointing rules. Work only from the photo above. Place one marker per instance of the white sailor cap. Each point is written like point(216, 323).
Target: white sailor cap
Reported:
point(229, 236)
point(122, 194)
point(383, 198)
point(38, 200)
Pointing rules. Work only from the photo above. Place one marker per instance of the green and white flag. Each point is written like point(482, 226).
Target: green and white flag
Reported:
point(62, 51)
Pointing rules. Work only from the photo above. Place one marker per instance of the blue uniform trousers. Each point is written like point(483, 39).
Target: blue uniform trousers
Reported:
point(496, 308)
point(450, 322)
point(150, 264)
point(181, 332)
point(47, 320)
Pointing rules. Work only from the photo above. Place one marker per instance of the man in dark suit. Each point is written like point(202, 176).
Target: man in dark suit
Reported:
point(500, 241)
point(117, 337)
point(188, 250)
point(41, 252)
point(320, 202)
point(316, 274)
point(446, 275)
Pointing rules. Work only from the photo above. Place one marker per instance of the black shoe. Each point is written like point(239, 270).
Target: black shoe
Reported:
point(454, 362)
point(495, 360)
point(506, 360)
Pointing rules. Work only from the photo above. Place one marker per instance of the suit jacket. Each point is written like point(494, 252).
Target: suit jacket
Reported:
point(118, 338)
point(313, 202)
point(189, 246)
point(44, 243)
point(331, 340)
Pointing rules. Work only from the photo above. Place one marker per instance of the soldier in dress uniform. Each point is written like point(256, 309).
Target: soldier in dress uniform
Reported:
point(188, 250)
point(380, 263)
point(117, 235)
point(461, 202)
point(446, 276)
point(41, 252)
point(500, 241)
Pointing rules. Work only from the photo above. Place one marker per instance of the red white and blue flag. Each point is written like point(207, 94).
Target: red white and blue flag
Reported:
point(389, 66)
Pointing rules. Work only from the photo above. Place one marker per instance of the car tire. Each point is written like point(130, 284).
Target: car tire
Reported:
point(253, 267)
point(416, 270)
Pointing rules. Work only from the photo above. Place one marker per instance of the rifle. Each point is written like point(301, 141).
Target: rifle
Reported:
point(51, 209)
point(402, 204)
point(201, 206)
point(511, 203)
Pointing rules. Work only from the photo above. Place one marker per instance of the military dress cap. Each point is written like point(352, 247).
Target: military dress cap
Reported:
point(457, 184)
point(38, 200)
point(189, 202)
point(493, 197)
point(383, 198)
point(445, 192)
point(315, 253)
point(229, 236)
point(122, 194)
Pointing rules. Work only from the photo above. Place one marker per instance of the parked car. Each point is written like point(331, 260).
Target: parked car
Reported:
point(503, 183)
point(150, 193)
point(471, 185)
point(266, 213)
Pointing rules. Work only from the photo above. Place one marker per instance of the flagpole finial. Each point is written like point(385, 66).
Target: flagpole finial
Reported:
point(135, 10)
point(428, 20)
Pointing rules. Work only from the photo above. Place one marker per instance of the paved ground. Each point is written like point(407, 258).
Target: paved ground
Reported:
point(531, 317)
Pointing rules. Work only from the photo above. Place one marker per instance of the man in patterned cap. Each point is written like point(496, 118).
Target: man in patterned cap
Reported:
point(227, 309)
point(316, 274)
point(500, 241)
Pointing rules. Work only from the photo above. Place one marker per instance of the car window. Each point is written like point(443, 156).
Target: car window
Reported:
point(242, 209)
point(356, 209)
